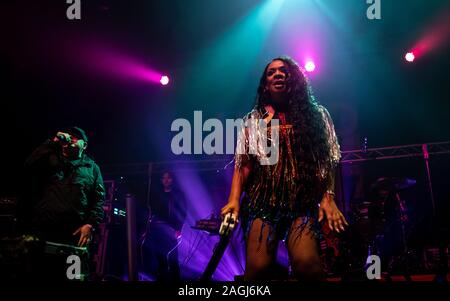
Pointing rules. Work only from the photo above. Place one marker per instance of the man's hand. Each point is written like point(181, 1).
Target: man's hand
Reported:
point(329, 210)
point(85, 235)
point(62, 137)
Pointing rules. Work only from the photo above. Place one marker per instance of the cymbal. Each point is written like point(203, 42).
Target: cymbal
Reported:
point(394, 183)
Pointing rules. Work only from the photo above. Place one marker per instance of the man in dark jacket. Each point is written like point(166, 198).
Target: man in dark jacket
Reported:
point(163, 236)
point(63, 199)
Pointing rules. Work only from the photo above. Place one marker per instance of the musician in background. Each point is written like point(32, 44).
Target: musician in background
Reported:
point(163, 235)
point(63, 193)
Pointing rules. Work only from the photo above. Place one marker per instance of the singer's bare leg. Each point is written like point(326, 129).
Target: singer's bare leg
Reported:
point(261, 253)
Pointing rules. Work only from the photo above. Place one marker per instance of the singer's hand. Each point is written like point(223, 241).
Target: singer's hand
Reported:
point(62, 137)
point(231, 207)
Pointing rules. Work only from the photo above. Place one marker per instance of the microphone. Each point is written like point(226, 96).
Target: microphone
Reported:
point(62, 138)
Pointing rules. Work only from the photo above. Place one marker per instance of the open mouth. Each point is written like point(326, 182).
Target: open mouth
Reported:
point(279, 84)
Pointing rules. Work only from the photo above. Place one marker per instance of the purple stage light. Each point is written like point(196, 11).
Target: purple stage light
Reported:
point(110, 62)
point(164, 80)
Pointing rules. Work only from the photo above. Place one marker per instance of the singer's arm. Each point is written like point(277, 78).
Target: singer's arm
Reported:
point(62, 137)
point(44, 155)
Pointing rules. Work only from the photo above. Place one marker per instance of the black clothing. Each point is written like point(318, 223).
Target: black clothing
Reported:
point(77, 132)
point(161, 252)
point(168, 207)
point(168, 211)
point(60, 195)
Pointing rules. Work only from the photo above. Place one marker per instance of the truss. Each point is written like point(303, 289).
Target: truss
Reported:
point(383, 153)
point(394, 152)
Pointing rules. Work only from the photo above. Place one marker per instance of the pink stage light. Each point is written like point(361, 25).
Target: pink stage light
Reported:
point(164, 80)
point(110, 62)
point(310, 66)
point(409, 57)
point(435, 36)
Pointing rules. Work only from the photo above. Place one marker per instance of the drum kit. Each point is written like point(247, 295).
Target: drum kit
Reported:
point(378, 227)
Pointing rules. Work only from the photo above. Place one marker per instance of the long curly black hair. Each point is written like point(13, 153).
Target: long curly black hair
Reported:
point(312, 148)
